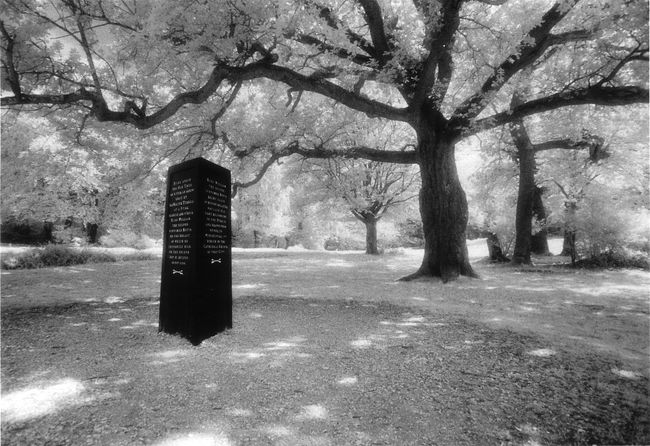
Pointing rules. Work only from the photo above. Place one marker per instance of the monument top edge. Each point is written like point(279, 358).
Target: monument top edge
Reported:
point(197, 162)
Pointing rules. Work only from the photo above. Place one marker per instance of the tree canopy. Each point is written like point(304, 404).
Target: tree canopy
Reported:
point(446, 68)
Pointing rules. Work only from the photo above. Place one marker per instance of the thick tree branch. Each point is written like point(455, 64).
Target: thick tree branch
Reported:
point(564, 143)
point(440, 43)
point(341, 53)
point(403, 156)
point(359, 152)
point(375, 23)
point(219, 74)
point(335, 23)
point(534, 44)
point(612, 96)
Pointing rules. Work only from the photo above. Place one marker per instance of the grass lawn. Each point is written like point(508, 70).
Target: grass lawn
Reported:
point(328, 349)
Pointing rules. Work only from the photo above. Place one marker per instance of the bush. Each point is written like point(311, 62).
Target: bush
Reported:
point(411, 234)
point(336, 243)
point(140, 256)
point(606, 230)
point(615, 259)
point(53, 255)
point(30, 232)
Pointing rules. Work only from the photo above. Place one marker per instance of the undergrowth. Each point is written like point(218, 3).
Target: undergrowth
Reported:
point(612, 259)
point(54, 255)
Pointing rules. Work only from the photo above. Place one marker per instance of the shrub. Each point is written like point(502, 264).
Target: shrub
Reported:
point(54, 255)
point(607, 230)
point(411, 234)
point(615, 259)
point(140, 256)
point(100, 257)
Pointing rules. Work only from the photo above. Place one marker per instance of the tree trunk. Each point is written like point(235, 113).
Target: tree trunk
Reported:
point(371, 236)
point(443, 207)
point(369, 219)
point(539, 241)
point(256, 239)
point(524, 213)
point(526, 189)
point(494, 249)
point(48, 231)
point(569, 244)
point(92, 230)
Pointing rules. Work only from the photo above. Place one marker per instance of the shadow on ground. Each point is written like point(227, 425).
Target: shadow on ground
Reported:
point(304, 372)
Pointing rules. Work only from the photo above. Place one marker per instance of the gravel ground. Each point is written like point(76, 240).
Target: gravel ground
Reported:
point(304, 372)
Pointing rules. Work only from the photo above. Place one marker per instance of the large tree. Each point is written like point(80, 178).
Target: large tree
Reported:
point(442, 64)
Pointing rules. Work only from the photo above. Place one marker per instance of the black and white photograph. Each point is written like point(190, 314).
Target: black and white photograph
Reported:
point(324, 222)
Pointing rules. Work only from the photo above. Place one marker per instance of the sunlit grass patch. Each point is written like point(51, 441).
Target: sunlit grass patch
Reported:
point(42, 399)
point(347, 381)
point(627, 374)
point(542, 352)
point(196, 439)
point(313, 412)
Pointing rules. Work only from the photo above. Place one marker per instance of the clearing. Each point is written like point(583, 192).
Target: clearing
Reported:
point(327, 349)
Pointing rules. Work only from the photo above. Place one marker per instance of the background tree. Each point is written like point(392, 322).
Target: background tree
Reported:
point(100, 181)
point(610, 174)
point(429, 58)
point(368, 188)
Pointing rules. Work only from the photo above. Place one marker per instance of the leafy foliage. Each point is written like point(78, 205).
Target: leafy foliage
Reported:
point(445, 68)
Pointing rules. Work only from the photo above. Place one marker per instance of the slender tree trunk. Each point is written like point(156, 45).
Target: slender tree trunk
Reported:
point(48, 231)
point(569, 244)
point(539, 241)
point(92, 230)
point(443, 207)
point(371, 236)
point(494, 249)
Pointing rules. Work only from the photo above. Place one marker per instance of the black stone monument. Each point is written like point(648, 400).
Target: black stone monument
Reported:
point(196, 283)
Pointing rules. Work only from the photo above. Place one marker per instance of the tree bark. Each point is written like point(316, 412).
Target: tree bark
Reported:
point(569, 244)
point(371, 236)
point(370, 220)
point(525, 198)
point(539, 241)
point(494, 249)
point(443, 207)
point(92, 230)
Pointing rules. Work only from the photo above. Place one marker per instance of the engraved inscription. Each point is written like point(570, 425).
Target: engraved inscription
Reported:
point(181, 215)
point(216, 218)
